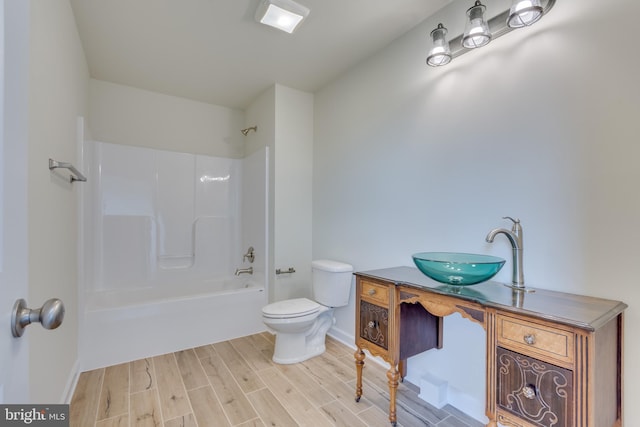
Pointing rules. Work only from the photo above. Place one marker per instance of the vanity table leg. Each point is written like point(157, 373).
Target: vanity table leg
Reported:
point(393, 375)
point(402, 368)
point(491, 383)
point(359, 356)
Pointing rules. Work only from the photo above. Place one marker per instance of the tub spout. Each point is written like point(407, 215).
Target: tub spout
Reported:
point(240, 271)
point(515, 238)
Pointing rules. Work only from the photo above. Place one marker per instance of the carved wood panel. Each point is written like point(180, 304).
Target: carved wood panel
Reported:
point(538, 392)
point(374, 324)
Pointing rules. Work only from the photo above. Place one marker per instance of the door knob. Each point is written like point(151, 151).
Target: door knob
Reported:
point(50, 315)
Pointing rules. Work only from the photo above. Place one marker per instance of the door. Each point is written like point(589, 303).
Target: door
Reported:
point(14, 51)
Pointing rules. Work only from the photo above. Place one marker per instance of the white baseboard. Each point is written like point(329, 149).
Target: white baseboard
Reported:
point(345, 338)
point(349, 340)
point(467, 404)
point(72, 381)
point(454, 397)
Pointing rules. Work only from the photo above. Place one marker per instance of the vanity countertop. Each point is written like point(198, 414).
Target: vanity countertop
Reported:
point(580, 311)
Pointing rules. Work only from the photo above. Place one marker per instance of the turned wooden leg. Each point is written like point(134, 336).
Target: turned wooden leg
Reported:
point(393, 375)
point(359, 356)
point(402, 368)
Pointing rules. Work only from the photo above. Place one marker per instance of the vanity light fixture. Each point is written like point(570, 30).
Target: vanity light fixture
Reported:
point(479, 32)
point(476, 32)
point(440, 54)
point(285, 15)
point(524, 13)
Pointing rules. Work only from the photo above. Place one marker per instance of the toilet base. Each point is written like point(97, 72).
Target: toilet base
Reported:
point(288, 359)
point(295, 348)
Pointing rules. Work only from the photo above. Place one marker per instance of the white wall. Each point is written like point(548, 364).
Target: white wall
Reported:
point(292, 191)
point(284, 117)
point(542, 124)
point(126, 115)
point(58, 87)
point(261, 113)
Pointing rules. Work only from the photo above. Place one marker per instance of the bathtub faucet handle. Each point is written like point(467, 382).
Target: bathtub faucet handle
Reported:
point(249, 255)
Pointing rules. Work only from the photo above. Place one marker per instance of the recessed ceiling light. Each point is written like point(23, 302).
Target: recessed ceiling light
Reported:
point(285, 15)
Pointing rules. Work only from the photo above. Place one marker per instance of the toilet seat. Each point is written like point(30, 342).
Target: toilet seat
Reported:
point(291, 308)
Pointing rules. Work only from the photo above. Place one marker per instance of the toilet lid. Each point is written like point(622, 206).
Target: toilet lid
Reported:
point(291, 308)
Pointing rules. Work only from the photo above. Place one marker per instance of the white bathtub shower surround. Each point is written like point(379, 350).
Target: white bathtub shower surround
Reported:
point(163, 234)
point(109, 300)
point(159, 215)
point(124, 326)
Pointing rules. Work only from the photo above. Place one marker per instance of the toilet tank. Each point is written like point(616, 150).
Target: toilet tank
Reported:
point(331, 282)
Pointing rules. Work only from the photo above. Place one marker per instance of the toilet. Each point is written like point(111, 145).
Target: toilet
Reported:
point(301, 324)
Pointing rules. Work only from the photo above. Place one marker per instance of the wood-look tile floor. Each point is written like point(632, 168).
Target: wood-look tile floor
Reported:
point(235, 383)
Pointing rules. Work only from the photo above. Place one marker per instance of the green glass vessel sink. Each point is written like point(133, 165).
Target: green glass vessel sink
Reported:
point(458, 269)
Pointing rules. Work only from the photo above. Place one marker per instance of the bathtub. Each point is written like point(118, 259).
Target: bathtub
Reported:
point(120, 326)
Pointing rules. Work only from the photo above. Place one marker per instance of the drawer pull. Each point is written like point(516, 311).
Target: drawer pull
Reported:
point(530, 339)
point(529, 392)
point(372, 324)
point(372, 292)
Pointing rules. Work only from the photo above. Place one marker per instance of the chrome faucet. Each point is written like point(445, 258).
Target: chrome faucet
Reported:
point(515, 237)
point(240, 271)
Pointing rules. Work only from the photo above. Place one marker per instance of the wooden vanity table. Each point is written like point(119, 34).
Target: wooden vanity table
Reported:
point(553, 359)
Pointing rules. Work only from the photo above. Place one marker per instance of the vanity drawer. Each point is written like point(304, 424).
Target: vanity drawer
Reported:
point(536, 339)
point(375, 292)
point(533, 391)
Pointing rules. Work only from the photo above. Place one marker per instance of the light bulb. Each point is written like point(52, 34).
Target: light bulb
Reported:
point(440, 54)
point(476, 32)
point(524, 13)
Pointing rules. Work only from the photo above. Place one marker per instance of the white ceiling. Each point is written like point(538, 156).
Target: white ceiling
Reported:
point(214, 51)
